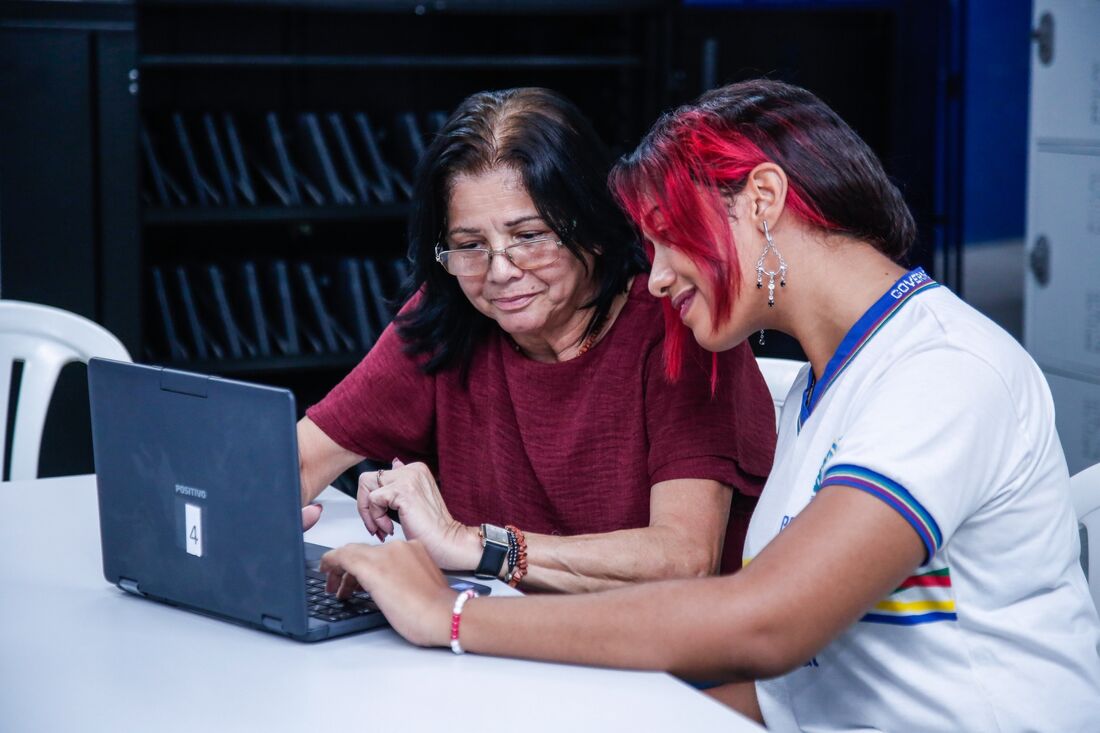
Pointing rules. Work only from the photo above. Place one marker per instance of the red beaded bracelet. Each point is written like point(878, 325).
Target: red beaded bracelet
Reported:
point(456, 618)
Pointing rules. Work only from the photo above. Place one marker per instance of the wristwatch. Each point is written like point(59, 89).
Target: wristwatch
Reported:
point(494, 540)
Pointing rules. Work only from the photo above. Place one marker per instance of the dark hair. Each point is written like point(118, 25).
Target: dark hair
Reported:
point(564, 168)
point(835, 182)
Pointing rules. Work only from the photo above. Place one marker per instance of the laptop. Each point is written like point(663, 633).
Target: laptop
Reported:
point(199, 502)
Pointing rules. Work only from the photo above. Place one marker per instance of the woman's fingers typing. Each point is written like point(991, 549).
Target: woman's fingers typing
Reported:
point(402, 579)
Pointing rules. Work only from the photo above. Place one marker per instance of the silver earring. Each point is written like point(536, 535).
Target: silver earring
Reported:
point(761, 272)
point(761, 337)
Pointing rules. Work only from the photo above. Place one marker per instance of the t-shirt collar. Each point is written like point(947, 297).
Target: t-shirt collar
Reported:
point(913, 282)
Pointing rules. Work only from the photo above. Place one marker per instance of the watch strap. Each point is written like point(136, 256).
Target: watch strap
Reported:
point(493, 552)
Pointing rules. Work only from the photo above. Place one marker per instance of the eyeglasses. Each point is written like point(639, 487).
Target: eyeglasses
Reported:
point(529, 254)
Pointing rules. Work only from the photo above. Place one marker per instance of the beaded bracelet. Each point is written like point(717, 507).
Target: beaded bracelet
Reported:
point(513, 551)
point(456, 618)
point(516, 573)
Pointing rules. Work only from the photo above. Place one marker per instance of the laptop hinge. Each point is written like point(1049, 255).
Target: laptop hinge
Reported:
point(272, 623)
point(130, 586)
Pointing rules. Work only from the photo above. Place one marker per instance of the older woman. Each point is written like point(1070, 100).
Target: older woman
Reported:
point(521, 391)
point(914, 556)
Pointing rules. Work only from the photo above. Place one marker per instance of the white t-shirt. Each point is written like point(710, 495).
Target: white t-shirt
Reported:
point(932, 408)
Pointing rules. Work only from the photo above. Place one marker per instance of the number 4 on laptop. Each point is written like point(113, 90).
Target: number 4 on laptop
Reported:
point(193, 526)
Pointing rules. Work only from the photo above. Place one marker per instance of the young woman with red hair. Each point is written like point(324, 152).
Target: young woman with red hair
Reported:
point(913, 561)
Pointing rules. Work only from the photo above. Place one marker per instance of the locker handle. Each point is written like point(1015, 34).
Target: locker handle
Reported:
point(1040, 261)
point(1044, 36)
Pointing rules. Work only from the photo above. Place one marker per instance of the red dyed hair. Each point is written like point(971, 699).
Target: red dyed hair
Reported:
point(672, 186)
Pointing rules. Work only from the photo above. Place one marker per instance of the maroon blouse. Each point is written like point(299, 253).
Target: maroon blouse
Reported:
point(565, 448)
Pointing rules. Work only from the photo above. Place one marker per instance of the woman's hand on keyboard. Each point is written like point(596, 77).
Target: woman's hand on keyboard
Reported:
point(403, 580)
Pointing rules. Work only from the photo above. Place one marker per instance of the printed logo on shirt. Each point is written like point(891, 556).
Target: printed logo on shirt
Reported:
point(907, 283)
point(824, 462)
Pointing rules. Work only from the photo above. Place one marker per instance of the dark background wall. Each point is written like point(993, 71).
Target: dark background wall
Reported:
point(93, 93)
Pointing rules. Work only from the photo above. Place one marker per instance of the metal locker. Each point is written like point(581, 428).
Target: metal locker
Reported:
point(1065, 70)
point(1062, 280)
point(1062, 290)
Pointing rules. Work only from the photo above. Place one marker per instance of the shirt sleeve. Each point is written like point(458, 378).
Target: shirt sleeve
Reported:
point(728, 436)
point(384, 408)
point(935, 438)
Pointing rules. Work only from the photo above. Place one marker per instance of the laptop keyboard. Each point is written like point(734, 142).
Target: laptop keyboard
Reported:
point(327, 607)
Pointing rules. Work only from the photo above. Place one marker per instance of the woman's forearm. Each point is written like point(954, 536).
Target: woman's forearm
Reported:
point(805, 588)
point(687, 527)
point(320, 459)
point(684, 539)
point(672, 626)
point(802, 591)
point(595, 562)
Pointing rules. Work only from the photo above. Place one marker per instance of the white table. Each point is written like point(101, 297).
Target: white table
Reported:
point(77, 654)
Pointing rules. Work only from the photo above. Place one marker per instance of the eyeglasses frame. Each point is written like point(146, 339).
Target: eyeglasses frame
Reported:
point(440, 249)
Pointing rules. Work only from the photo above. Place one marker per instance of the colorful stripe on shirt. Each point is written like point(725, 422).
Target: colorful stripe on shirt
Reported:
point(895, 496)
point(871, 322)
point(920, 599)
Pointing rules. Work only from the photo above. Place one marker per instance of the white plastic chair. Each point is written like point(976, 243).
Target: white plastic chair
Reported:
point(45, 339)
point(779, 374)
point(1085, 490)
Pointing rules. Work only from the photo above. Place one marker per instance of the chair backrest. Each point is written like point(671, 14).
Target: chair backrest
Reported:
point(44, 339)
point(779, 375)
point(1085, 489)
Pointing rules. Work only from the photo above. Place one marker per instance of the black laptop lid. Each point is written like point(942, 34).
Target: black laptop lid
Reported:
point(198, 491)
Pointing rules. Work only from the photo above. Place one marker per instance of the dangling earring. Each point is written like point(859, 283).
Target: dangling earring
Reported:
point(761, 337)
point(761, 272)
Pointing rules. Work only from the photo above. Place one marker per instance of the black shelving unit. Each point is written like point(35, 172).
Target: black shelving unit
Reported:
point(285, 76)
point(429, 62)
point(191, 217)
point(91, 91)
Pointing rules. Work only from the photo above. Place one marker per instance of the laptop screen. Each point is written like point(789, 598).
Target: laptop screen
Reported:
point(198, 491)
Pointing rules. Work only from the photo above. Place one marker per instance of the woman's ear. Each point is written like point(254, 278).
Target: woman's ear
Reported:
point(766, 188)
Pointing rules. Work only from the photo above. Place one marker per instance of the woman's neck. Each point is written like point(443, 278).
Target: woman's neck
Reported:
point(837, 282)
point(569, 341)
